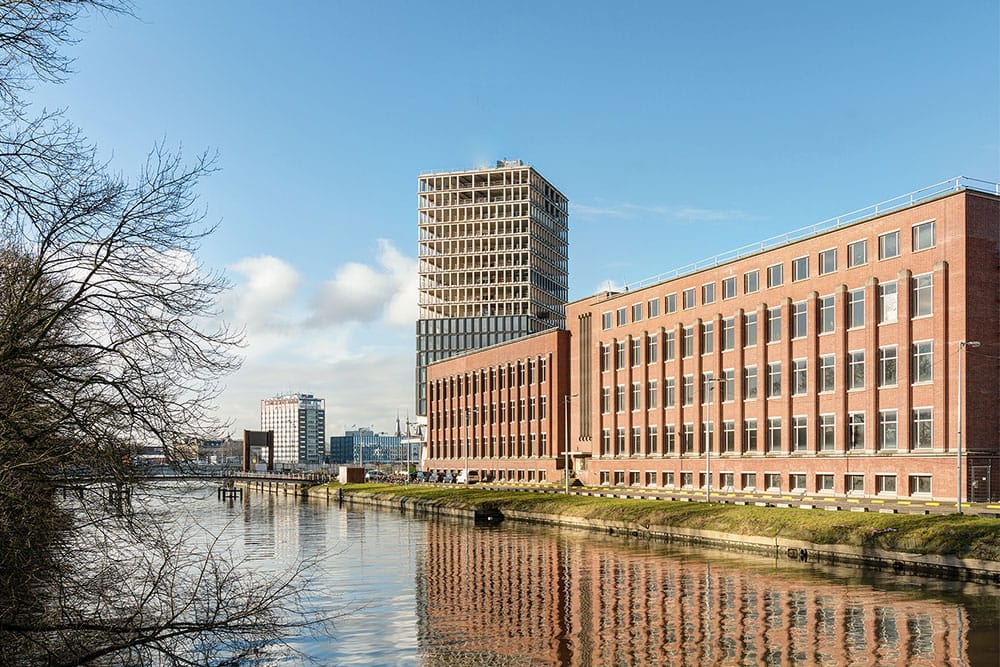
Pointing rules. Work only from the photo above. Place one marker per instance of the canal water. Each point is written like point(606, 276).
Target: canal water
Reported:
point(409, 590)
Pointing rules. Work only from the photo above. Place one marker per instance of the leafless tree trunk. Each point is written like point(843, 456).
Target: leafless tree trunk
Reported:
point(109, 340)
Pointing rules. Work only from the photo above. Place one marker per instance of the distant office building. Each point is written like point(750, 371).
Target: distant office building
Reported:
point(364, 446)
point(493, 251)
point(299, 425)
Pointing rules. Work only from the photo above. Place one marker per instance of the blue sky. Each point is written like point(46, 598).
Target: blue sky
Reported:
point(682, 129)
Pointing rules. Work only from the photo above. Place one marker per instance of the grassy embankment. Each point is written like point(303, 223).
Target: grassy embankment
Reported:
point(961, 536)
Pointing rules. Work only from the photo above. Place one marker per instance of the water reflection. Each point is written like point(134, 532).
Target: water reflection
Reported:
point(421, 591)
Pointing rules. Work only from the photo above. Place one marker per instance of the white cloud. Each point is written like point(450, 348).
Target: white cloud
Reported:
point(670, 213)
point(348, 340)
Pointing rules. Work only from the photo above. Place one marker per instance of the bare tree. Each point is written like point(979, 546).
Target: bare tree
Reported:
point(109, 340)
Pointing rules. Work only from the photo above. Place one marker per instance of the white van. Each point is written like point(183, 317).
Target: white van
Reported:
point(467, 477)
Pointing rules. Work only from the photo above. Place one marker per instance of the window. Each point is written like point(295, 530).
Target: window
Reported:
point(687, 480)
point(687, 390)
point(669, 396)
point(708, 293)
point(688, 297)
point(729, 287)
point(827, 261)
point(800, 320)
point(651, 440)
point(606, 442)
point(827, 319)
point(605, 357)
point(636, 396)
point(620, 398)
point(636, 312)
point(653, 308)
point(855, 308)
point(605, 402)
point(652, 348)
point(774, 324)
point(687, 439)
point(800, 269)
point(857, 253)
point(707, 338)
point(728, 387)
point(636, 442)
point(622, 316)
point(669, 442)
point(636, 353)
point(854, 483)
point(827, 433)
point(619, 478)
point(888, 245)
point(750, 435)
point(887, 429)
point(887, 366)
point(748, 481)
point(800, 432)
point(856, 369)
point(688, 342)
point(670, 303)
point(887, 303)
point(920, 485)
point(750, 329)
point(620, 441)
point(824, 483)
point(797, 481)
point(751, 282)
point(774, 434)
point(707, 388)
point(728, 334)
point(620, 355)
point(775, 275)
point(923, 361)
point(923, 295)
point(885, 484)
point(774, 379)
point(923, 236)
point(772, 481)
point(605, 478)
point(707, 435)
point(800, 383)
point(726, 481)
point(668, 480)
point(668, 346)
point(923, 428)
point(728, 436)
point(650, 478)
point(750, 383)
point(606, 320)
point(856, 430)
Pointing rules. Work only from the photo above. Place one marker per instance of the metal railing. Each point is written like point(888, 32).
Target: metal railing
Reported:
point(881, 208)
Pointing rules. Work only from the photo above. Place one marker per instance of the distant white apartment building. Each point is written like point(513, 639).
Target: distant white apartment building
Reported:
point(299, 425)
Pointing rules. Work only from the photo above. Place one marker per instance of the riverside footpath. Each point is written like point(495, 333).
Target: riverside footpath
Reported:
point(950, 546)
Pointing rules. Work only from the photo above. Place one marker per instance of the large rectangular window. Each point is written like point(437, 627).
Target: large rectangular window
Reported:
point(621, 316)
point(855, 308)
point(669, 393)
point(729, 287)
point(689, 295)
point(707, 338)
point(651, 395)
point(636, 354)
point(856, 430)
point(827, 261)
point(856, 369)
point(620, 355)
point(827, 433)
point(800, 320)
point(636, 396)
point(750, 383)
point(923, 361)
point(922, 428)
point(687, 390)
point(688, 342)
point(800, 431)
point(774, 324)
point(620, 398)
point(750, 435)
point(637, 312)
point(708, 293)
point(651, 440)
point(751, 282)
point(827, 313)
point(707, 388)
point(774, 434)
point(827, 372)
point(800, 269)
point(653, 308)
point(652, 348)
point(728, 334)
point(775, 275)
point(774, 379)
point(888, 245)
point(750, 329)
point(605, 357)
point(800, 379)
point(887, 429)
point(923, 236)
point(887, 366)
point(668, 346)
point(728, 436)
point(923, 295)
point(728, 386)
point(670, 303)
point(857, 253)
point(887, 303)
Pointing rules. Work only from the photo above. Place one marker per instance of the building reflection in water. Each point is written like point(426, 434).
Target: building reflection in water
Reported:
point(503, 597)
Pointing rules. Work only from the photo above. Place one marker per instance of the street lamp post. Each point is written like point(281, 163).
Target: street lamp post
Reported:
point(566, 401)
point(962, 345)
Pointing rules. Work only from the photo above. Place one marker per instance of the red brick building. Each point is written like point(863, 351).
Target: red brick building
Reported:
point(826, 362)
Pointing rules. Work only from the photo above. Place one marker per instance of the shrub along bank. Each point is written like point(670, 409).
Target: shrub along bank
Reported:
point(960, 536)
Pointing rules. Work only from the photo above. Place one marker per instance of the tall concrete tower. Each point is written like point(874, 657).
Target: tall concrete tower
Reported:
point(494, 260)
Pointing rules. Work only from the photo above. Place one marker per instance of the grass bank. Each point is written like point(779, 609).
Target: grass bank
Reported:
point(947, 535)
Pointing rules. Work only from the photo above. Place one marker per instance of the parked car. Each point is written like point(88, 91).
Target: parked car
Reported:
point(376, 476)
point(467, 477)
point(448, 478)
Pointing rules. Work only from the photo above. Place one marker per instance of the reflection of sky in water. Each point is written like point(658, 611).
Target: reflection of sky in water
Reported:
point(416, 591)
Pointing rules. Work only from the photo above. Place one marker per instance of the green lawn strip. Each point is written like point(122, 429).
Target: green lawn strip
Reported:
point(962, 536)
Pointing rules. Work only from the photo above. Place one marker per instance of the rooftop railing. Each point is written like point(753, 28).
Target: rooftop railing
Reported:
point(896, 203)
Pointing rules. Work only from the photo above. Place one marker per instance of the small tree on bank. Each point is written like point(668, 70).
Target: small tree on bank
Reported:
point(108, 341)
